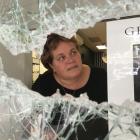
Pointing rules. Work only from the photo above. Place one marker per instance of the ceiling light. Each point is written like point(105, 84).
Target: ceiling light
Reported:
point(101, 47)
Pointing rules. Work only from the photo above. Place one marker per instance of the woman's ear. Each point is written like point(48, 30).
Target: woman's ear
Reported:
point(52, 67)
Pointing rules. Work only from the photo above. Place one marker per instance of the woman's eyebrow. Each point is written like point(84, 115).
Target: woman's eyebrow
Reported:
point(73, 49)
point(59, 54)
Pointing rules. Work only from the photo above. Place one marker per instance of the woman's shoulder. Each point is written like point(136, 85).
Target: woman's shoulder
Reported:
point(98, 74)
point(45, 84)
point(45, 78)
point(98, 71)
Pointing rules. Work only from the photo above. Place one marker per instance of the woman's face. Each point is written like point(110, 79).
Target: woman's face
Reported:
point(67, 63)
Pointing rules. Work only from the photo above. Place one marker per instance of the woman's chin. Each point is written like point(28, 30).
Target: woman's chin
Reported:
point(74, 74)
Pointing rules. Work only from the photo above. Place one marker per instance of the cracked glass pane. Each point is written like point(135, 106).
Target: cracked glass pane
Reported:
point(28, 116)
point(25, 115)
point(25, 25)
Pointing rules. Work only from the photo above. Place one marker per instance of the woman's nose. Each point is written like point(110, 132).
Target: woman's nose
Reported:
point(69, 58)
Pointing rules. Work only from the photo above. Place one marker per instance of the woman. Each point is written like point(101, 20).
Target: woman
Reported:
point(67, 73)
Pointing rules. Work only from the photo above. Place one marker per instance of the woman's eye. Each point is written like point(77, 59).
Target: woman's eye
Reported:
point(61, 58)
point(73, 53)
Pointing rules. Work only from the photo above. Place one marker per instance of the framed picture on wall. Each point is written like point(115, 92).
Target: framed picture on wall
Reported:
point(136, 71)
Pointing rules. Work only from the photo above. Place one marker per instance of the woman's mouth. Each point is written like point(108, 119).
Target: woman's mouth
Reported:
point(73, 67)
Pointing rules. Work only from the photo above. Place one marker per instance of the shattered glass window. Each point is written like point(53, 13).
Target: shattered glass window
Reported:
point(26, 115)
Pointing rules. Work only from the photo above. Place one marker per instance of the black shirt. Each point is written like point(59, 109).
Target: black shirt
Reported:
point(96, 89)
point(96, 86)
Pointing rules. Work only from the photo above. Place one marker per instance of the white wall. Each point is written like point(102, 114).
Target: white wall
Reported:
point(121, 36)
point(19, 67)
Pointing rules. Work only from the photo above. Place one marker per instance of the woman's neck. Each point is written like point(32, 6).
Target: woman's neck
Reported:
point(77, 82)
